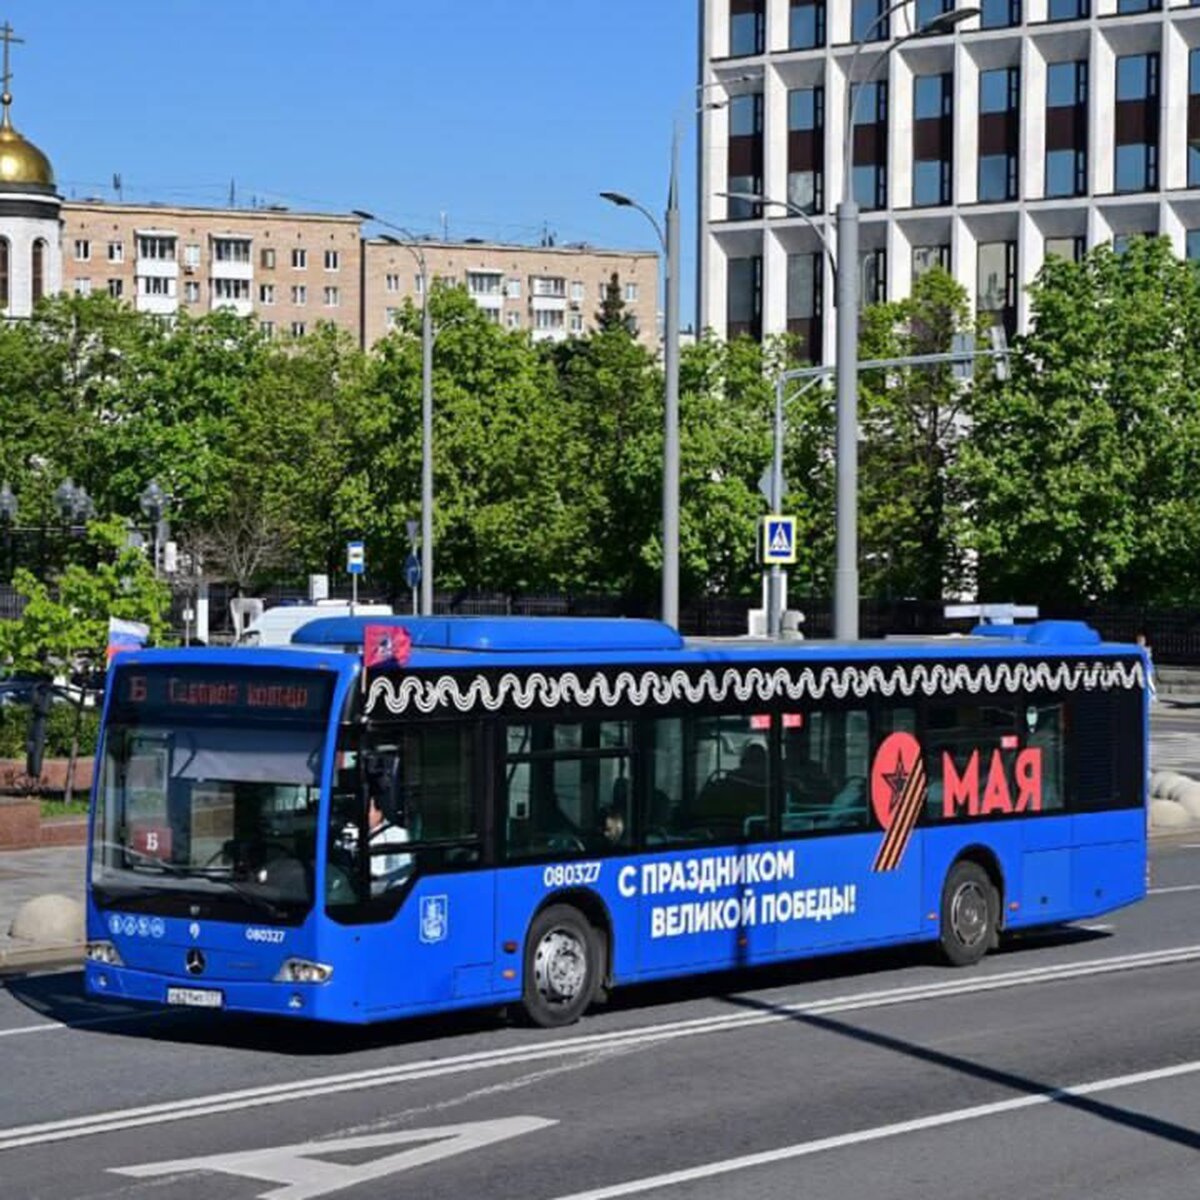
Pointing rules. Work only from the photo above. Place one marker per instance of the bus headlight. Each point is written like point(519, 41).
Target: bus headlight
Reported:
point(303, 970)
point(104, 952)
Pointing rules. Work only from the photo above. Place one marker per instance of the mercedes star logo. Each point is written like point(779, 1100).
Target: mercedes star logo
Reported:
point(195, 962)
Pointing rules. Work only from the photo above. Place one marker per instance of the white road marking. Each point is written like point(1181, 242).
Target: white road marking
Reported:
point(306, 1175)
point(283, 1093)
point(803, 1149)
point(1168, 891)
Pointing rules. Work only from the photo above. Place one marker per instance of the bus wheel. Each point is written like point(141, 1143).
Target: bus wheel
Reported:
point(970, 914)
point(562, 966)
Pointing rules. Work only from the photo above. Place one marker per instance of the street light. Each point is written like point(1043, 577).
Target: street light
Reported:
point(845, 578)
point(153, 502)
point(412, 245)
point(793, 210)
point(669, 240)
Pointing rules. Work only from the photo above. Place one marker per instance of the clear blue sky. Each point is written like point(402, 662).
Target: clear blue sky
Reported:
point(503, 114)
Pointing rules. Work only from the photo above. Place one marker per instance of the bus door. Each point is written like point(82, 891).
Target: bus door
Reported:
point(1039, 786)
point(405, 865)
point(853, 794)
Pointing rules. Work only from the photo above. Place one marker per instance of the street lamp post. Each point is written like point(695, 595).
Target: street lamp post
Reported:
point(669, 240)
point(845, 577)
point(412, 245)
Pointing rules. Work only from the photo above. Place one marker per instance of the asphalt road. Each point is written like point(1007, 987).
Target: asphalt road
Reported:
point(1067, 1065)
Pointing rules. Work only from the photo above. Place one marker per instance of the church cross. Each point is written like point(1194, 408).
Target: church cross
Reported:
point(8, 37)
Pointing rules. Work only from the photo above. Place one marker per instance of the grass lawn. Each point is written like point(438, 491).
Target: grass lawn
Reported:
point(56, 808)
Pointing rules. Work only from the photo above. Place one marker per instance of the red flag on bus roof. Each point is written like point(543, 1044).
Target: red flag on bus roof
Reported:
point(384, 644)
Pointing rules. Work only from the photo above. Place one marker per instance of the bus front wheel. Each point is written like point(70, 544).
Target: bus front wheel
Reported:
point(563, 964)
point(970, 914)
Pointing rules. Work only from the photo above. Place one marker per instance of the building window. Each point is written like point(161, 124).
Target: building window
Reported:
point(743, 314)
point(299, 293)
point(1193, 129)
point(38, 265)
point(631, 293)
point(267, 329)
point(116, 252)
point(1192, 245)
point(266, 258)
point(1136, 158)
point(1070, 248)
point(1065, 172)
point(930, 10)
point(230, 289)
point(806, 25)
point(391, 283)
point(333, 260)
point(299, 259)
point(514, 320)
point(1066, 128)
point(868, 21)
point(484, 283)
point(548, 318)
point(925, 258)
point(872, 277)
point(577, 291)
point(806, 148)
point(231, 250)
point(266, 293)
point(5, 270)
point(869, 105)
point(332, 298)
point(804, 284)
point(1138, 6)
point(116, 288)
point(156, 285)
point(298, 328)
point(576, 322)
point(83, 287)
point(746, 20)
point(995, 14)
point(1067, 10)
point(553, 286)
point(191, 254)
point(745, 154)
point(999, 132)
point(996, 283)
point(83, 250)
point(191, 291)
point(419, 284)
point(514, 289)
point(159, 249)
point(933, 108)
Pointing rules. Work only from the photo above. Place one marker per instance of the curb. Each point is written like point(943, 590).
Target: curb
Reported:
point(18, 960)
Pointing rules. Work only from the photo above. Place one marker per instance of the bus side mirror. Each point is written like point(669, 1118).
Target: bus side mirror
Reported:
point(35, 741)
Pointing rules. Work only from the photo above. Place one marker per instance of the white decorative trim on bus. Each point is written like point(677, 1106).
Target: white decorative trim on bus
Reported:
point(638, 688)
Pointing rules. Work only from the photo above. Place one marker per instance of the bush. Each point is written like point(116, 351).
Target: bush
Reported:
point(60, 724)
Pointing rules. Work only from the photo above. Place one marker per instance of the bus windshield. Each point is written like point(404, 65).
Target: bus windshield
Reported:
point(213, 814)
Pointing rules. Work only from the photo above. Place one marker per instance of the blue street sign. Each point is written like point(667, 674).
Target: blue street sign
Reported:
point(356, 558)
point(412, 571)
point(778, 540)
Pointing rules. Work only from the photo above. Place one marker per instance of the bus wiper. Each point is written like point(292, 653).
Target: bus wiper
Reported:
point(261, 902)
point(168, 868)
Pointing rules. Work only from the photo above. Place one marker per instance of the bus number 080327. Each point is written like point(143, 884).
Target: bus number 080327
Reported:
point(571, 874)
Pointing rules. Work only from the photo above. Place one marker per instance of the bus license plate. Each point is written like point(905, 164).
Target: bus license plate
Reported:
point(195, 997)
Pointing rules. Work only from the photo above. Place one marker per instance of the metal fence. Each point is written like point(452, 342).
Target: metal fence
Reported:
point(1172, 634)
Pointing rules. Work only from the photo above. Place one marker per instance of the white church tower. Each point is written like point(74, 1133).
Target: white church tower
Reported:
point(30, 230)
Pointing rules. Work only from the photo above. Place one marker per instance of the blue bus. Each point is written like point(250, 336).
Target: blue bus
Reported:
point(533, 811)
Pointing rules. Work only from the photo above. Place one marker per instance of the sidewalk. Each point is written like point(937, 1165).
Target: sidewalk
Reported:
point(25, 874)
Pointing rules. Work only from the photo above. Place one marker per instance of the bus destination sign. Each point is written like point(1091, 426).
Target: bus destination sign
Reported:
point(232, 691)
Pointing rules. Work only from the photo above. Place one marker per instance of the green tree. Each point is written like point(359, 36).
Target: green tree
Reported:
point(1081, 469)
point(913, 422)
point(64, 626)
point(612, 316)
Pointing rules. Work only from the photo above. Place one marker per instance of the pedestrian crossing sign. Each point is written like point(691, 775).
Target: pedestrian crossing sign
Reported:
point(778, 540)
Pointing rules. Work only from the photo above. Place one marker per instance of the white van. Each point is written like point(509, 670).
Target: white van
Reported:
point(276, 626)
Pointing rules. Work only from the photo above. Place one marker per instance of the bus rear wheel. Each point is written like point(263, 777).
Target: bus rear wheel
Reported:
point(563, 964)
point(970, 914)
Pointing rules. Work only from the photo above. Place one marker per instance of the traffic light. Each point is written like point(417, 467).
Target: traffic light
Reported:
point(35, 741)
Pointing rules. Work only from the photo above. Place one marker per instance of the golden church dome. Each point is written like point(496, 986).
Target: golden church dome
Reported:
point(21, 162)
